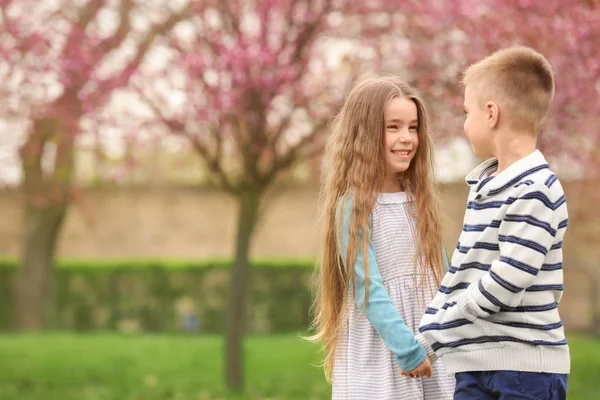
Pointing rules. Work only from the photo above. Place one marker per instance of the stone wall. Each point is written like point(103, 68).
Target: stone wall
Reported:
point(180, 222)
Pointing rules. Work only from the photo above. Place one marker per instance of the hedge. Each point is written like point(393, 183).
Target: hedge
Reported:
point(157, 296)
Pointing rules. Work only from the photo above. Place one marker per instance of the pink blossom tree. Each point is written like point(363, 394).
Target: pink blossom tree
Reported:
point(448, 36)
point(257, 82)
point(58, 64)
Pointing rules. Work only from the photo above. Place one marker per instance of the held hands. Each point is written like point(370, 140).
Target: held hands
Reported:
point(422, 371)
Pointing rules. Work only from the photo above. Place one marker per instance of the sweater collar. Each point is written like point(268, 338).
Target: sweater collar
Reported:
point(484, 185)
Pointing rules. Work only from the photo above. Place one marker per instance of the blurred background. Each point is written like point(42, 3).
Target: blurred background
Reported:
point(159, 171)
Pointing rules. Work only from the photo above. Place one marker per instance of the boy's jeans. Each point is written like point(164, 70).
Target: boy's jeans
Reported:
point(513, 385)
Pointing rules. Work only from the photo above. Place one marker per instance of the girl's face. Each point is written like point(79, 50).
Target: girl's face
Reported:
point(401, 134)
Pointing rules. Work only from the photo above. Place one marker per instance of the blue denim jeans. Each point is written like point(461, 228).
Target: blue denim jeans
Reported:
point(513, 385)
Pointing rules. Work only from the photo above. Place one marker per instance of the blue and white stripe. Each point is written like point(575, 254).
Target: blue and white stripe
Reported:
point(505, 280)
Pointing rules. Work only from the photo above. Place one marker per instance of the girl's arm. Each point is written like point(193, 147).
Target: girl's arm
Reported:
point(445, 259)
point(380, 311)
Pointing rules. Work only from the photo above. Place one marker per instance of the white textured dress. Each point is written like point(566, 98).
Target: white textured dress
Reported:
point(364, 368)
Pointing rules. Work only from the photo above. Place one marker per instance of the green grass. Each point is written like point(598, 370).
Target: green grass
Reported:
point(584, 381)
point(103, 367)
point(12, 264)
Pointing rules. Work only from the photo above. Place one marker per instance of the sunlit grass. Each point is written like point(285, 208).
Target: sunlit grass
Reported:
point(114, 367)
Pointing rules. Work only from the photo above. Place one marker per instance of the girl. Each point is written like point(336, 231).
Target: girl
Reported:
point(382, 254)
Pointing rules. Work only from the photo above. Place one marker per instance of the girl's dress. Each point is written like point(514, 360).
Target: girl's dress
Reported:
point(364, 368)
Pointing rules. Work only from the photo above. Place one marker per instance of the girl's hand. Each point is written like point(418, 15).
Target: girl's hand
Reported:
point(422, 371)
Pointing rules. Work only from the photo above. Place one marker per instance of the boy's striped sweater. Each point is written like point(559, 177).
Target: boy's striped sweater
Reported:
point(497, 307)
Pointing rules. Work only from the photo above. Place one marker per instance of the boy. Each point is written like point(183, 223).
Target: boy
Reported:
point(495, 320)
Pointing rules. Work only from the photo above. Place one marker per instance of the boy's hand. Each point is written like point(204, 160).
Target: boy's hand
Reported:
point(422, 371)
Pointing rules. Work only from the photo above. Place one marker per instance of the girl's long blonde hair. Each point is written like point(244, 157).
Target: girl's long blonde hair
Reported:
point(354, 164)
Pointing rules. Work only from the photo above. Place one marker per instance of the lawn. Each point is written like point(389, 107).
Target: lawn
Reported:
point(113, 367)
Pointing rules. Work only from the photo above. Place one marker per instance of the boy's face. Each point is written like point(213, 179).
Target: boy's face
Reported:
point(476, 126)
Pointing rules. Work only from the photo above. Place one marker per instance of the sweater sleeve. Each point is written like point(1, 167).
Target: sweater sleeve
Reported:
point(380, 311)
point(525, 236)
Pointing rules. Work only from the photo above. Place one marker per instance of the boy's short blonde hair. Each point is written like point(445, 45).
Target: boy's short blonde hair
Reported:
point(519, 78)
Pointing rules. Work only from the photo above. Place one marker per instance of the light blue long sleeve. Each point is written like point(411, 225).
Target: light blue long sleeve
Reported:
point(380, 311)
point(445, 259)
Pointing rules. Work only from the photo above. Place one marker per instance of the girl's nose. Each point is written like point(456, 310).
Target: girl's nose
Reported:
point(404, 138)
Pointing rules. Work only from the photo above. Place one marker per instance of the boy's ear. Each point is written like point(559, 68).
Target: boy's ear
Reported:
point(492, 114)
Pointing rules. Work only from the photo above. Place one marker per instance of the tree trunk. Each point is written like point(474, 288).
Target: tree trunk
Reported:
point(34, 279)
point(248, 204)
point(46, 201)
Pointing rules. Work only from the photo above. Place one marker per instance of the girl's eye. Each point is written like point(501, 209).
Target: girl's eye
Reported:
point(392, 127)
point(414, 128)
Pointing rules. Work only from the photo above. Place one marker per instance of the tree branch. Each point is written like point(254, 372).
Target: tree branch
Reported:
point(157, 30)
point(300, 105)
point(213, 162)
point(233, 19)
point(31, 155)
point(73, 45)
point(3, 7)
point(121, 79)
point(88, 12)
point(198, 74)
point(246, 138)
point(114, 41)
point(294, 154)
point(218, 144)
point(290, 23)
point(307, 35)
point(303, 40)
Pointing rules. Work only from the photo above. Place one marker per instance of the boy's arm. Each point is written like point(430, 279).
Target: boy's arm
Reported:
point(525, 236)
point(380, 311)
